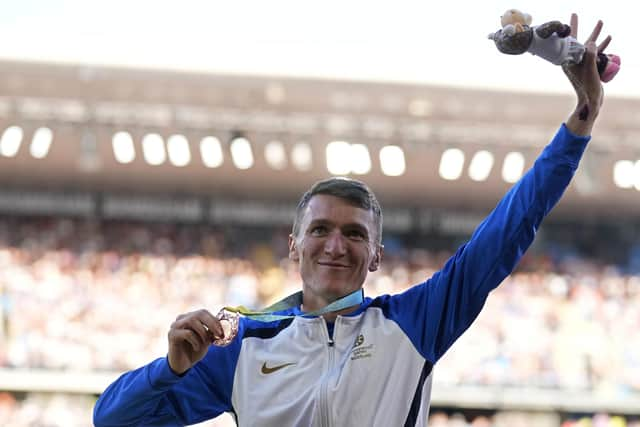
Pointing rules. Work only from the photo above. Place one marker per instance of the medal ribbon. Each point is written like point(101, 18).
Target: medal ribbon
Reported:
point(295, 300)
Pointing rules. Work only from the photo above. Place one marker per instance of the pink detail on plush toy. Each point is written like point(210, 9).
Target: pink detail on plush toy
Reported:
point(611, 69)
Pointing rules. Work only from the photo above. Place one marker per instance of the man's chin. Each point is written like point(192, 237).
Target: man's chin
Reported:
point(338, 290)
point(334, 285)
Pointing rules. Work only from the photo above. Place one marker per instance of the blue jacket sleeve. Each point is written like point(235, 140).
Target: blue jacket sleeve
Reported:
point(435, 313)
point(155, 396)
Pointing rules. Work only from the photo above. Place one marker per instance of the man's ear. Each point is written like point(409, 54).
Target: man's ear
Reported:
point(377, 258)
point(293, 249)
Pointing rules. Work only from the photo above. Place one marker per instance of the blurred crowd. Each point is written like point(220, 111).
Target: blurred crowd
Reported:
point(65, 410)
point(90, 295)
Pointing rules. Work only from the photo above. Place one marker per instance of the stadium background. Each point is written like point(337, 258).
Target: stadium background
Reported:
point(100, 247)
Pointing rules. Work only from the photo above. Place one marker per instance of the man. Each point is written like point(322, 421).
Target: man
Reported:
point(369, 363)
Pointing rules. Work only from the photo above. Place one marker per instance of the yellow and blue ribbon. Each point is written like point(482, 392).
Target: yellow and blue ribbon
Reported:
point(295, 300)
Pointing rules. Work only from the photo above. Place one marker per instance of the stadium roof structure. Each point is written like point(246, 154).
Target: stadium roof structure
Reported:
point(84, 107)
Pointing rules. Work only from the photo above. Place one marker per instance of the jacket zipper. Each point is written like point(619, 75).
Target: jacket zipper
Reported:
point(324, 390)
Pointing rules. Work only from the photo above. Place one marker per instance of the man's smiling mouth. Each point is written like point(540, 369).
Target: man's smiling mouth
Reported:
point(333, 264)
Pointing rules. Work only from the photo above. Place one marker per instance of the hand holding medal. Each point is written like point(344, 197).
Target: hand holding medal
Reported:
point(190, 336)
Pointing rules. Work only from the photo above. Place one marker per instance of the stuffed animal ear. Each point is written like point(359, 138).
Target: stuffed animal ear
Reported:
point(513, 16)
point(508, 17)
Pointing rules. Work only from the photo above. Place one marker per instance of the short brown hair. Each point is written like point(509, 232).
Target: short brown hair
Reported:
point(351, 190)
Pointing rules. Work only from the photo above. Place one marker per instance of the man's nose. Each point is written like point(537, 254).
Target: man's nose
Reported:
point(335, 245)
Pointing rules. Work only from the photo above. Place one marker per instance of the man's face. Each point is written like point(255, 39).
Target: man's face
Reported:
point(336, 247)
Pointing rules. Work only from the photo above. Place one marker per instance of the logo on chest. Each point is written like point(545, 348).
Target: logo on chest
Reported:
point(360, 350)
point(269, 370)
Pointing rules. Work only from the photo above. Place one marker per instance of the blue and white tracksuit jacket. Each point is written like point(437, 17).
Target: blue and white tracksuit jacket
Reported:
point(377, 368)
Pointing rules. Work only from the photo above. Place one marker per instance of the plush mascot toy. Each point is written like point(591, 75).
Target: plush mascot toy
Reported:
point(551, 41)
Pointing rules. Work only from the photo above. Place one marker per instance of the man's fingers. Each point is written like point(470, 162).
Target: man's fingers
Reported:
point(574, 25)
point(182, 335)
point(590, 52)
point(595, 33)
point(590, 62)
point(199, 329)
point(211, 323)
point(203, 320)
point(602, 46)
point(202, 323)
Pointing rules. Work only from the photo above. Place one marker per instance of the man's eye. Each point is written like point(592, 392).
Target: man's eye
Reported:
point(319, 231)
point(355, 235)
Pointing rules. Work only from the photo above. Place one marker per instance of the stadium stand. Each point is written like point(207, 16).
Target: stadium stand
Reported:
point(98, 256)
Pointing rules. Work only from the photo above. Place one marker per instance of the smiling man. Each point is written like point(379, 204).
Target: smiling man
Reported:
point(335, 358)
point(336, 240)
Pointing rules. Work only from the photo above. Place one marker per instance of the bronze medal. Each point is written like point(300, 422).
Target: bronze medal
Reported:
point(229, 322)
